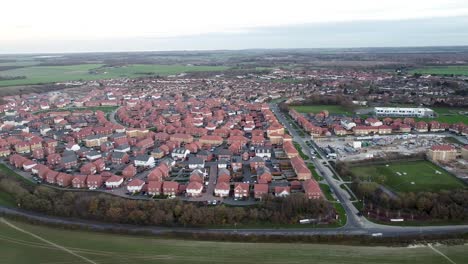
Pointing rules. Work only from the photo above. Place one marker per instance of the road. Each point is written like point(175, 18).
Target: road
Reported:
point(353, 220)
point(387, 231)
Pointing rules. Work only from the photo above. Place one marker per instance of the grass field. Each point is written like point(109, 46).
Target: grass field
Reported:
point(105, 109)
point(7, 200)
point(48, 74)
point(6, 170)
point(420, 176)
point(332, 109)
point(449, 115)
point(17, 247)
point(442, 70)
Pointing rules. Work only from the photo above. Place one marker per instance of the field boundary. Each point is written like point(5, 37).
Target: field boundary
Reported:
point(3, 220)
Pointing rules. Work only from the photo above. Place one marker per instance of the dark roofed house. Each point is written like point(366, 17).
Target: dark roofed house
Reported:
point(196, 163)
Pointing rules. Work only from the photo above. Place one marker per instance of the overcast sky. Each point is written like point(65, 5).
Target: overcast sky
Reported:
point(117, 25)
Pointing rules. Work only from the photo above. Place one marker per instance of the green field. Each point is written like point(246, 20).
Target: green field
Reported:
point(442, 70)
point(4, 169)
point(448, 115)
point(7, 199)
point(49, 74)
point(105, 109)
point(420, 176)
point(332, 109)
point(17, 247)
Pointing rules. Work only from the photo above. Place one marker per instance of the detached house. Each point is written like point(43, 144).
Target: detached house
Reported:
point(260, 190)
point(222, 189)
point(241, 190)
point(135, 186)
point(194, 189)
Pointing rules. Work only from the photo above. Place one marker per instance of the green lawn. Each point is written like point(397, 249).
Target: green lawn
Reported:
point(442, 70)
point(449, 115)
point(6, 170)
point(48, 74)
point(332, 109)
point(105, 109)
point(7, 200)
point(420, 176)
point(299, 149)
point(18, 248)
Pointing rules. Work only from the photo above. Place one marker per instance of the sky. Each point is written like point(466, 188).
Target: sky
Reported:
point(48, 26)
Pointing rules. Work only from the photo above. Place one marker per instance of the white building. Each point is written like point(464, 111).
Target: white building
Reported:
point(348, 125)
point(144, 161)
point(404, 111)
point(180, 153)
point(264, 153)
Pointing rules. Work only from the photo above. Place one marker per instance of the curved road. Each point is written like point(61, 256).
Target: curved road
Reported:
point(387, 231)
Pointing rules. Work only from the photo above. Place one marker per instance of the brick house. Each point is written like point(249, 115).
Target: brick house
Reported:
point(64, 179)
point(79, 181)
point(170, 188)
point(260, 190)
point(194, 189)
point(312, 189)
point(154, 188)
point(129, 172)
point(241, 190)
point(222, 189)
point(94, 181)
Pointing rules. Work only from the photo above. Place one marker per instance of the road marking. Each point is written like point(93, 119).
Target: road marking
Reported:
point(440, 253)
point(3, 220)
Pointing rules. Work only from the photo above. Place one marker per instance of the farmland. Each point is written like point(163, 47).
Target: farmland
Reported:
point(48, 74)
point(18, 247)
point(443, 70)
point(332, 109)
point(414, 176)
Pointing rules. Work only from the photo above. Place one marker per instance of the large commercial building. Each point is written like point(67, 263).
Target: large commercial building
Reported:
point(404, 111)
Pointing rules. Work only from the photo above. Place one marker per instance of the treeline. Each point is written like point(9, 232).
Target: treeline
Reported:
point(174, 212)
point(444, 205)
